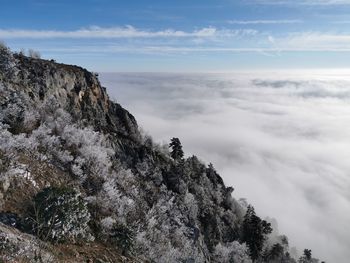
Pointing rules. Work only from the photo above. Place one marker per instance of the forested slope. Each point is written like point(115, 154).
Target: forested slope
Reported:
point(80, 183)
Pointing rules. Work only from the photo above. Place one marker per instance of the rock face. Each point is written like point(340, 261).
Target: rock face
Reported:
point(70, 87)
point(58, 127)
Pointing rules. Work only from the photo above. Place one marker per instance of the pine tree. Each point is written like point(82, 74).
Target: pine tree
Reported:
point(307, 254)
point(276, 253)
point(123, 237)
point(176, 149)
point(254, 232)
point(59, 214)
point(307, 257)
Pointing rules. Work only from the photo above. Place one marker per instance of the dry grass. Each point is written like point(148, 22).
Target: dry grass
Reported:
point(21, 190)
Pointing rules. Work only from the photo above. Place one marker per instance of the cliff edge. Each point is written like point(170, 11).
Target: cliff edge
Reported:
point(80, 183)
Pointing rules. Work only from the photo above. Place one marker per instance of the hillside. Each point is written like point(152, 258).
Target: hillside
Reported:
point(79, 182)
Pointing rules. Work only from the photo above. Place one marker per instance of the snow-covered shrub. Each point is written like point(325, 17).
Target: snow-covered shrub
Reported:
point(59, 214)
point(191, 206)
point(34, 53)
point(233, 252)
point(13, 114)
point(164, 237)
point(90, 149)
point(107, 224)
point(7, 62)
point(112, 199)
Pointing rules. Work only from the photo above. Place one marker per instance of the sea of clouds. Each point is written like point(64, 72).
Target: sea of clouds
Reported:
point(281, 139)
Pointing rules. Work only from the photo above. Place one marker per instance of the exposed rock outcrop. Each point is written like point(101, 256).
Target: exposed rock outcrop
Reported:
point(35, 81)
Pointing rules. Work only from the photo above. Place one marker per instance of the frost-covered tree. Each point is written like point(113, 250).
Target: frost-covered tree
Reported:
point(113, 200)
point(233, 252)
point(34, 53)
point(7, 62)
point(307, 257)
point(169, 241)
point(277, 254)
point(59, 214)
point(254, 232)
point(90, 152)
point(191, 206)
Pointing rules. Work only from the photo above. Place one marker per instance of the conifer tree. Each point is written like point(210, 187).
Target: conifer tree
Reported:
point(123, 237)
point(59, 214)
point(307, 256)
point(176, 149)
point(254, 232)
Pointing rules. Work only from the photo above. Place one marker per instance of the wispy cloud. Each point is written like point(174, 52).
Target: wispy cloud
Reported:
point(122, 32)
point(295, 42)
point(314, 41)
point(172, 41)
point(341, 22)
point(304, 2)
point(159, 50)
point(264, 22)
point(145, 49)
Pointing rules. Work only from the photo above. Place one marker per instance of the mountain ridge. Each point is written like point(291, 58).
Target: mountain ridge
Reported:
point(59, 129)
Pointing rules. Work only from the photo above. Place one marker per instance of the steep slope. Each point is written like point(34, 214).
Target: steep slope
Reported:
point(59, 130)
point(72, 88)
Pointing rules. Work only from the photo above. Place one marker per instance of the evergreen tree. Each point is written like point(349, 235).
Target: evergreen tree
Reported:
point(276, 251)
point(176, 149)
point(254, 232)
point(123, 237)
point(307, 256)
point(276, 254)
point(59, 214)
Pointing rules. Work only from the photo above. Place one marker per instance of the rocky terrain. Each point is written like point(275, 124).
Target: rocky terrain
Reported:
point(80, 183)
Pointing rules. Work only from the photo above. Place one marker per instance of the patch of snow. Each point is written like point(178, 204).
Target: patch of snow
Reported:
point(22, 171)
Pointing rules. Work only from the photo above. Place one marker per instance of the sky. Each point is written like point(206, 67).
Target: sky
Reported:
point(182, 36)
point(280, 139)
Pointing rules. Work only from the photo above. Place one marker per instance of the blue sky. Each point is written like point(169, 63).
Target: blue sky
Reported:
point(220, 35)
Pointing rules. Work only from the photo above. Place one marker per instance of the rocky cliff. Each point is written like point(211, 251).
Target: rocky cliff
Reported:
point(72, 88)
point(80, 183)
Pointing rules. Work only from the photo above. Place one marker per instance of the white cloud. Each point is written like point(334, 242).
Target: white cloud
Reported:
point(314, 41)
point(281, 140)
point(264, 22)
point(341, 22)
point(156, 50)
point(204, 40)
point(121, 32)
point(254, 42)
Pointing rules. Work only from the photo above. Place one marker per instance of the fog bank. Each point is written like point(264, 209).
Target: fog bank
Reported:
point(281, 140)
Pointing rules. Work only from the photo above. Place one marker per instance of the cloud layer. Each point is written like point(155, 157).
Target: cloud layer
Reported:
point(264, 22)
point(283, 142)
point(205, 40)
point(121, 32)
